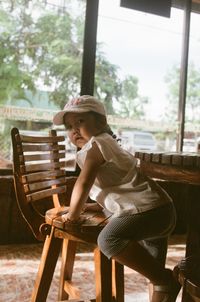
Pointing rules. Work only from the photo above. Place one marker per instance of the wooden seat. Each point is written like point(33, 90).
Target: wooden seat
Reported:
point(188, 275)
point(43, 193)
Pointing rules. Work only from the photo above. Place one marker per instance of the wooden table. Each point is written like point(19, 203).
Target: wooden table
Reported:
point(176, 167)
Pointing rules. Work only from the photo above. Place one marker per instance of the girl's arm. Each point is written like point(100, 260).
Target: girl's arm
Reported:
point(94, 160)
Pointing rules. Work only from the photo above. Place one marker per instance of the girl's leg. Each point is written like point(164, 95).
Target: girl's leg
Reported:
point(138, 258)
point(120, 239)
point(158, 249)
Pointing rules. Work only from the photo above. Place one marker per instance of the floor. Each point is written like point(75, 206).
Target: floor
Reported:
point(18, 267)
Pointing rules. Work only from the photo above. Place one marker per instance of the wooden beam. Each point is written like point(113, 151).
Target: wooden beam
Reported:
point(183, 75)
point(89, 47)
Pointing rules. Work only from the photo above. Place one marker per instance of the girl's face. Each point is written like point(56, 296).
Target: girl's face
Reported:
point(81, 127)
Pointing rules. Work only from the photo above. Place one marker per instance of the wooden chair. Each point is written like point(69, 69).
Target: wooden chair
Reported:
point(188, 274)
point(42, 191)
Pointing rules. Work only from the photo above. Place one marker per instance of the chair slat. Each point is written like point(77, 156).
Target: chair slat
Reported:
point(44, 184)
point(41, 167)
point(38, 160)
point(42, 175)
point(38, 148)
point(44, 156)
point(45, 193)
point(39, 139)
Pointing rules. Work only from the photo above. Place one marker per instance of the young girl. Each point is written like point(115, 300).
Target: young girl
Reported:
point(143, 214)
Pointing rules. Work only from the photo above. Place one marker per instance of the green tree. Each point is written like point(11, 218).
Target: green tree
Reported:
point(131, 104)
point(193, 93)
point(41, 49)
point(107, 84)
point(14, 76)
point(192, 97)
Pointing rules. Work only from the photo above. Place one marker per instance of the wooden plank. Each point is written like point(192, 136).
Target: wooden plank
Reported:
point(94, 223)
point(69, 249)
point(117, 281)
point(79, 300)
point(156, 157)
point(166, 159)
point(72, 289)
point(189, 160)
point(42, 147)
point(41, 167)
point(39, 139)
point(170, 173)
point(42, 175)
point(177, 160)
point(139, 155)
point(42, 156)
point(79, 237)
point(103, 267)
point(90, 223)
point(147, 156)
point(45, 193)
point(198, 161)
point(50, 254)
point(44, 184)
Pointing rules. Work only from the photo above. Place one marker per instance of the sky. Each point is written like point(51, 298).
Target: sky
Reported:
point(146, 46)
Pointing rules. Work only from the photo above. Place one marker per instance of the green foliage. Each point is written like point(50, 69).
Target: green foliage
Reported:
point(41, 48)
point(192, 97)
point(193, 92)
point(14, 78)
point(132, 105)
point(107, 83)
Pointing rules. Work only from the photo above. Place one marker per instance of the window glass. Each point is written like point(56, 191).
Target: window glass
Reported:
point(141, 53)
point(41, 46)
point(192, 114)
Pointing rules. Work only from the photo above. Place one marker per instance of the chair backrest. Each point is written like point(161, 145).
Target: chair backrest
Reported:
point(39, 175)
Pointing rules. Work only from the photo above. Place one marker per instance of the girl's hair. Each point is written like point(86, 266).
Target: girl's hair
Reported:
point(102, 122)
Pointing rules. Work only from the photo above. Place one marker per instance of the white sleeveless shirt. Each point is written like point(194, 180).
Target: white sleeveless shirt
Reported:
point(118, 186)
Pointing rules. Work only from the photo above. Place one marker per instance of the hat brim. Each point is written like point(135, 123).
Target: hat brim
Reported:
point(58, 117)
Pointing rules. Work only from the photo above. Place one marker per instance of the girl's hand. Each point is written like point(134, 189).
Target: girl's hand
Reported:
point(68, 220)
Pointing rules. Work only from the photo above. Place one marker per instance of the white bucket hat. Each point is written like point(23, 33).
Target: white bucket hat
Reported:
point(84, 103)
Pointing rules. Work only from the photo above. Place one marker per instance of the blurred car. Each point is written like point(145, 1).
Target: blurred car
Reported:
point(134, 141)
point(189, 145)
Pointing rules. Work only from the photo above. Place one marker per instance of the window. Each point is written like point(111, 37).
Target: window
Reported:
point(137, 71)
point(142, 52)
point(41, 47)
point(192, 110)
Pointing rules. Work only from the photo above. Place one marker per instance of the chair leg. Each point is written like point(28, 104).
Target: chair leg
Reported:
point(117, 281)
point(50, 253)
point(103, 276)
point(67, 265)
